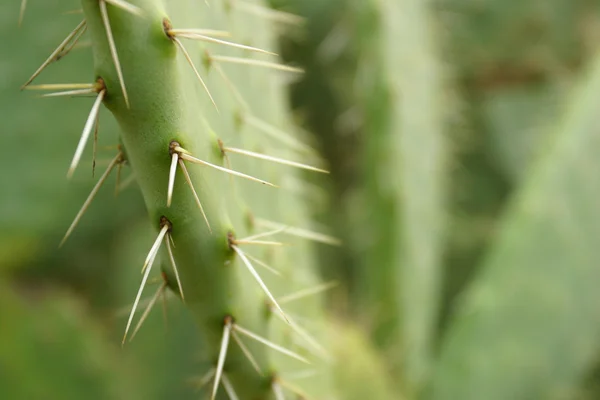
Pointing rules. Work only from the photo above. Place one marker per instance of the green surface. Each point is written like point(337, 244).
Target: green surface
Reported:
point(461, 139)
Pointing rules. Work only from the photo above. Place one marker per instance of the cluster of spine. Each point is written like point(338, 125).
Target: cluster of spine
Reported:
point(200, 116)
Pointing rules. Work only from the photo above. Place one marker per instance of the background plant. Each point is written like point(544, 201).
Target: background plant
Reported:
point(505, 307)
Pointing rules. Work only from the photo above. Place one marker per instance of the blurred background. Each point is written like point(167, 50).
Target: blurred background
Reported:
point(502, 214)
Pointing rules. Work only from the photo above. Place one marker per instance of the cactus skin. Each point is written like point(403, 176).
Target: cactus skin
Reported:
point(419, 143)
point(165, 104)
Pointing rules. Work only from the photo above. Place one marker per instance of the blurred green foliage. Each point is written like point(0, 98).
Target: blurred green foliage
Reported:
point(508, 69)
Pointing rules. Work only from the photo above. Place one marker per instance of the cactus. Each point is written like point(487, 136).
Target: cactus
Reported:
point(386, 110)
point(528, 326)
point(187, 130)
point(178, 95)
